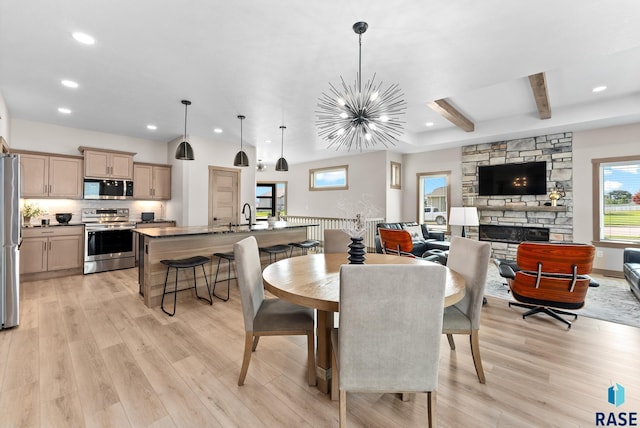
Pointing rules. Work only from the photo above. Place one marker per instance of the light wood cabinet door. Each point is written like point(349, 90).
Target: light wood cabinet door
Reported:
point(103, 164)
point(33, 255)
point(65, 177)
point(162, 182)
point(151, 181)
point(65, 252)
point(96, 164)
point(34, 178)
point(142, 181)
point(121, 166)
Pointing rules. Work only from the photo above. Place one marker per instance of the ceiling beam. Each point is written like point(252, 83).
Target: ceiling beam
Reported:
point(446, 110)
point(540, 93)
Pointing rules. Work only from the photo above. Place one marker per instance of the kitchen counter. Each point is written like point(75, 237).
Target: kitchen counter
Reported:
point(212, 230)
point(33, 226)
point(156, 244)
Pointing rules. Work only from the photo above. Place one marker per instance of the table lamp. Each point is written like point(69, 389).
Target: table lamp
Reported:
point(463, 216)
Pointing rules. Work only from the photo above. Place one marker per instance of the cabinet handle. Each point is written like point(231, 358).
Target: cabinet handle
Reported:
point(50, 188)
point(49, 245)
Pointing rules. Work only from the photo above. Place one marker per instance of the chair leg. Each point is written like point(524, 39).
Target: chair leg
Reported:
point(206, 281)
point(475, 353)
point(343, 409)
point(452, 344)
point(335, 376)
point(553, 313)
point(164, 292)
point(311, 358)
point(431, 409)
point(255, 343)
point(215, 282)
point(246, 358)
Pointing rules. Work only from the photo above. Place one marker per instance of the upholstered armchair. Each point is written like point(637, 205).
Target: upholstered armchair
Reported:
point(551, 278)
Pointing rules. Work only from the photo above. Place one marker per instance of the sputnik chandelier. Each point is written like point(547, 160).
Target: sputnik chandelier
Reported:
point(360, 117)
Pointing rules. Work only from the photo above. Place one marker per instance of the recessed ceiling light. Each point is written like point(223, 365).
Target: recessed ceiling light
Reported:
point(217, 130)
point(152, 127)
point(429, 124)
point(83, 38)
point(267, 141)
point(69, 83)
point(599, 89)
point(64, 110)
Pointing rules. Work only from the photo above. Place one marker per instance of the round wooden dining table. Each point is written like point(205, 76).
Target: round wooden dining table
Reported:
point(313, 281)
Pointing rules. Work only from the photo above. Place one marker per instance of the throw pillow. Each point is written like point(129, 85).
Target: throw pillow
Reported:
point(415, 232)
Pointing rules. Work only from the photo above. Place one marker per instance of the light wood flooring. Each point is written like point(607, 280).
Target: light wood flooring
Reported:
point(89, 353)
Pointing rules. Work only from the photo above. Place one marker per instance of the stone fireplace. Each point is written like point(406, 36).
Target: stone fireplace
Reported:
point(529, 217)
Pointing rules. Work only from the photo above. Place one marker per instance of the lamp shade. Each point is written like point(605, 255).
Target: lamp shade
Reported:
point(184, 151)
point(282, 165)
point(241, 159)
point(463, 216)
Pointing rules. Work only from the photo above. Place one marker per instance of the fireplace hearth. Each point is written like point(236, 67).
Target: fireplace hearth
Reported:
point(513, 234)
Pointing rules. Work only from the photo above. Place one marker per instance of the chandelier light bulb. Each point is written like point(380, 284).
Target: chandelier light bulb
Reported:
point(360, 115)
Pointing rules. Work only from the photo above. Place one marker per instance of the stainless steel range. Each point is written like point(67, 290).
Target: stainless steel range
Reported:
point(108, 240)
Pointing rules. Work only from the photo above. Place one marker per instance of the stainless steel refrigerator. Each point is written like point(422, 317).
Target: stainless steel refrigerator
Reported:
point(10, 240)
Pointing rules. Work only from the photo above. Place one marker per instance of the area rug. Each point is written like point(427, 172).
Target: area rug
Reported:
point(612, 301)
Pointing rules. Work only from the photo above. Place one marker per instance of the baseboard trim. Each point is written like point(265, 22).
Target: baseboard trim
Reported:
point(608, 272)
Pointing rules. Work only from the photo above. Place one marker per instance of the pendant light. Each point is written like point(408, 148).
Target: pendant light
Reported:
point(241, 158)
point(282, 164)
point(184, 150)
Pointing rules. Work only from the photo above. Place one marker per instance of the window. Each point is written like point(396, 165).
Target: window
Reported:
point(332, 178)
point(271, 200)
point(617, 200)
point(396, 175)
point(433, 199)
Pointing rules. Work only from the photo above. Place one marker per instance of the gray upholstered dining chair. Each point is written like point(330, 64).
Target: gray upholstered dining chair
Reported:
point(471, 260)
point(379, 353)
point(336, 241)
point(268, 317)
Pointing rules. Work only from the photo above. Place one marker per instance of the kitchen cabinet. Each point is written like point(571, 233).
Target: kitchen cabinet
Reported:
point(107, 164)
point(50, 176)
point(47, 249)
point(151, 181)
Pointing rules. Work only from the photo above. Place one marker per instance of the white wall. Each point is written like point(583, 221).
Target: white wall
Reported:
point(190, 179)
point(587, 145)
point(4, 120)
point(367, 175)
point(43, 137)
point(430, 162)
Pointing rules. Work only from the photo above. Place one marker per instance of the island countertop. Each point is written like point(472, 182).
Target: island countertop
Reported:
point(160, 243)
point(161, 232)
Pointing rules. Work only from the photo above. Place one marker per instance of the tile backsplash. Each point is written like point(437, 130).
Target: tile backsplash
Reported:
point(53, 206)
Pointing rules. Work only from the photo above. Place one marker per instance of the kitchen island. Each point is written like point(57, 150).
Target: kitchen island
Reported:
point(157, 244)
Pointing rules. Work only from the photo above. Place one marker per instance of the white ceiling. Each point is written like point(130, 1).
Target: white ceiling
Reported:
point(271, 60)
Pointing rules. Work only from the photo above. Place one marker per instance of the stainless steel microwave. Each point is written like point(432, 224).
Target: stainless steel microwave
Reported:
point(107, 189)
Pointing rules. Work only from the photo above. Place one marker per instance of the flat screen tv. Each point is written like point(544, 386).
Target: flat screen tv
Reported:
point(513, 179)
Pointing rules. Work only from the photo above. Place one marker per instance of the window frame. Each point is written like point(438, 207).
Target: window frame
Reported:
point(395, 178)
point(273, 197)
point(596, 165)
point(420, 197)
point(312, 178)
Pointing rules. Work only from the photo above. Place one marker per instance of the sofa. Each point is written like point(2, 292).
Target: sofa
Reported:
point(428, 240)
point(631, 268)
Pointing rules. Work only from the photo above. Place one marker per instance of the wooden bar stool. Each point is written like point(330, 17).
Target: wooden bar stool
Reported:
point(304, 246)
point(229, 257)
point(274, 250)
point(190, 262)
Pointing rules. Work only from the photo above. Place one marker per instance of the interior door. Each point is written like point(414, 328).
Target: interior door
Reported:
point(224, 190)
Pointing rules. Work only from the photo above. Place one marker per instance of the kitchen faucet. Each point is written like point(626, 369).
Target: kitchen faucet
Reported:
point(245, 206)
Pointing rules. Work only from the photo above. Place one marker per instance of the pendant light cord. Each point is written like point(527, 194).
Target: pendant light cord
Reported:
point(282, 141)
point(360, 62)
point(185, 121)
point(241, 133)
